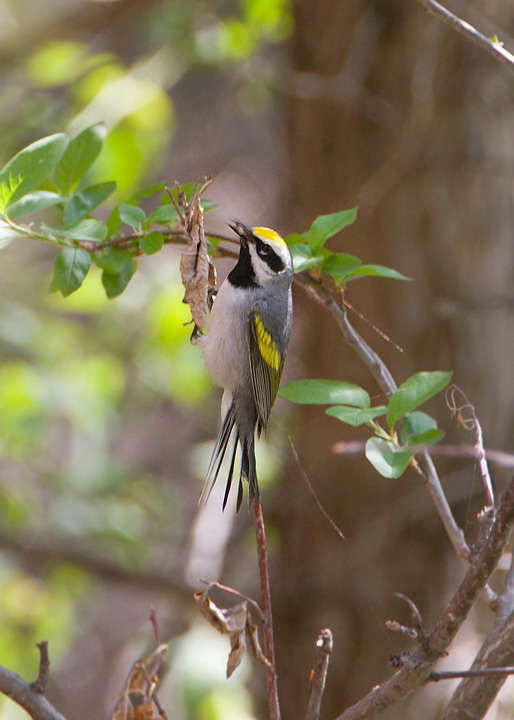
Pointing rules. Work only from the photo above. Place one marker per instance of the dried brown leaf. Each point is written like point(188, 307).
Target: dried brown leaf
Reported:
point(197, 272)
point(254, 644)
point(226, 620)
point(236, 622)
point(138, 700)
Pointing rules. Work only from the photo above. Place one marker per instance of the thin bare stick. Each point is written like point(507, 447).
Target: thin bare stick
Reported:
point(269, 645)
point(453, 674)
point(443, 508)
point(461, 408)
point(39, 684)
point(324, 645)
point(495, 49)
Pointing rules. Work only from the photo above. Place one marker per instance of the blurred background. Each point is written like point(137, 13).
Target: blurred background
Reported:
point(107, 415)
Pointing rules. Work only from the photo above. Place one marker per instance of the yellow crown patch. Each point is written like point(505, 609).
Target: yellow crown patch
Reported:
point(268, 234)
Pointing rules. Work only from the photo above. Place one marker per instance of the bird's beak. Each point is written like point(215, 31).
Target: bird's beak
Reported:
point(244, 232)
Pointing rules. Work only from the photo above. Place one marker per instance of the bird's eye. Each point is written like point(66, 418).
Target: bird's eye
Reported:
point(265, 250)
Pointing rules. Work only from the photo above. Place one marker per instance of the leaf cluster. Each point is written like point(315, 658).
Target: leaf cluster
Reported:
point(50, 173)
point(309, 251)
point(389, 450)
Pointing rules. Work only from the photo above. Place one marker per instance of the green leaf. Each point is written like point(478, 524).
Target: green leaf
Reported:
point(79, 156)
point(86, 200)
point(147, 191)
point(113, 260)
point(376, 271)
point(355, 416)
point(303, 258)
point(33, 202)
point(85, 229)
point(326, 226)
point(389, 460)
point(115, 283)
point(7, 234)
point(340, 265)
point(424, 440)
point(151, 243)
point(70, 269)
point(414, 392)
point(131, 215)
point(164, 215)
point(415, 424)
point(296, 239)
point(27, 170)
point(325, 392)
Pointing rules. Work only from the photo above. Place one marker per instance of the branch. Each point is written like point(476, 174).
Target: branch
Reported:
point(475, 694)
point(39, 685)
point(418, 664)
point(495, 49)
point(28, 696)
point(269, 647)
point(380, 372)
point(324, 645)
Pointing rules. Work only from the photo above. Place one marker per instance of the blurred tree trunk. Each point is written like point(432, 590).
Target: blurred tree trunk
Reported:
point(390, 110)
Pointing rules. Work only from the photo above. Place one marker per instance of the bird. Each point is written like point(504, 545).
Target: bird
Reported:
point(244, 350)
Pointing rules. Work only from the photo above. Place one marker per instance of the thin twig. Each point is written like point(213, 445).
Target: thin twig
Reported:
point(453, 674)
point(497, 457)
point(39, 685)
point(324, 645)
point(495, 49)
point(269, 646)
point(458, 408)
point(443, 508)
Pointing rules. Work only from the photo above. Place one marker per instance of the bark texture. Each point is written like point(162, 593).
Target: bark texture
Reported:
point(390, 110)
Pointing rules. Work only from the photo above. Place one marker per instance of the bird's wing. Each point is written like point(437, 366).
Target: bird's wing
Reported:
point(266, 364)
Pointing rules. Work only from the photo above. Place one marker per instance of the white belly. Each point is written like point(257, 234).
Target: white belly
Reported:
point(225, 345)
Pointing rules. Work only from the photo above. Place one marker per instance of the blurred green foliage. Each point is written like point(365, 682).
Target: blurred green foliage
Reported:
point(78, 374)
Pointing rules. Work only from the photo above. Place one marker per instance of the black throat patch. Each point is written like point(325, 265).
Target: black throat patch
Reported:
point(243, 274)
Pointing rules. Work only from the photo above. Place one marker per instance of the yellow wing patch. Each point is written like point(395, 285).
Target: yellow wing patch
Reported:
point(267, 347)
point(268, 234)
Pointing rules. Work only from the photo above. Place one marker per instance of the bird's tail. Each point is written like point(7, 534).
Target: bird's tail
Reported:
point(248, 467)
point(227, 427)
point(249, 470)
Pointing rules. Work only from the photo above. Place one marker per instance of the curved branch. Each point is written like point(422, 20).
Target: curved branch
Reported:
point(417, 665)
point(37, 706)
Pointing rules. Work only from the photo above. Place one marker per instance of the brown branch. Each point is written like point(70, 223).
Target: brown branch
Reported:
point(417, 665)
point(269, 646)
point(380, 372)
point(324, 645)
point(477, 691)
point(27, 696)
point(495, 49)
point(39, 685)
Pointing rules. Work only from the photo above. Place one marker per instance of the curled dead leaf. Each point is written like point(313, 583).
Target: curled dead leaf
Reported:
point(197, 272)
point(236, 622)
